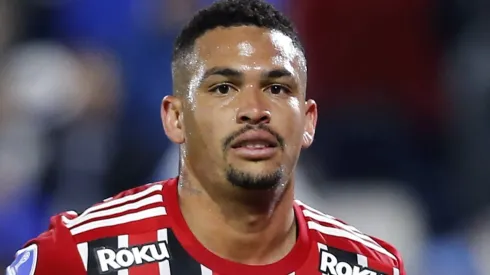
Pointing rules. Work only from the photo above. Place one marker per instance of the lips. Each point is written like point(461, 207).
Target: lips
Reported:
point(255, 140)
point(255, 145)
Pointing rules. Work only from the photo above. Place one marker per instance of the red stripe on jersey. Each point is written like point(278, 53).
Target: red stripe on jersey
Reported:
point(139, 239)
point(312, 264)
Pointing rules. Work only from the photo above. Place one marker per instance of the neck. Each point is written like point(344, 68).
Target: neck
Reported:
point(249, 227)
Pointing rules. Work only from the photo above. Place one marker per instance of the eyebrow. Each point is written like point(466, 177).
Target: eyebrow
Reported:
point(222, 71)
point(277, 73)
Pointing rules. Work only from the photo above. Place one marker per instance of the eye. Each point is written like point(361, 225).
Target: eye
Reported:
point(222, 89)
point(278, 89)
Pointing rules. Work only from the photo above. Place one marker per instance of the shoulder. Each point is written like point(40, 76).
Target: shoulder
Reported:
point(123, 213)
point(392, 249)
point(331, 231)
point(62, 245)
point(53, 250)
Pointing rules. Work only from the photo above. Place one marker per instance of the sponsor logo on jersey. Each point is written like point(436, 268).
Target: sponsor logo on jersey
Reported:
point(25, 262)
point(330, 265)
point(113, 260)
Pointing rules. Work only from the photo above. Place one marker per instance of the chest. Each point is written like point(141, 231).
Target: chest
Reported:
point(162, 253)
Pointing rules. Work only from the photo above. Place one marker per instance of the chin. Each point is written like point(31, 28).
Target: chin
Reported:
point(255, 178)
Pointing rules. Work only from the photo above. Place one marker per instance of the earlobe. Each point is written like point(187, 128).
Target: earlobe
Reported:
point(171, 114)
point(311, 115)
point(307, 139)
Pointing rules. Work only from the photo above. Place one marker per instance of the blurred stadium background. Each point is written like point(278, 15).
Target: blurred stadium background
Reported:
point(403, 142)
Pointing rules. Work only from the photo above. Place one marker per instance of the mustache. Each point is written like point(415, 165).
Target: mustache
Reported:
point(228, 140)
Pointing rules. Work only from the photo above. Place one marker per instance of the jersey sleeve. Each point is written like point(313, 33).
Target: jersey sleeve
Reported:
point(52, 252)
point(400, 265)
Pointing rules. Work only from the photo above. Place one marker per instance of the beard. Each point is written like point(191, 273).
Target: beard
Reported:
point(252, 181)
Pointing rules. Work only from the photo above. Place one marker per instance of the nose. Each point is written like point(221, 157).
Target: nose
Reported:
point(254, 116)
point(254, 111)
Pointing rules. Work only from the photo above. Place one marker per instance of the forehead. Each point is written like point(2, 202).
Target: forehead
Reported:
point(248, 45)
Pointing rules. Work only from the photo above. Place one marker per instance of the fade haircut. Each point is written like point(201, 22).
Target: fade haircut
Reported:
point(233, 13)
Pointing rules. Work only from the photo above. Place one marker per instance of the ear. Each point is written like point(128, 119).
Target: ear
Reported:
point(311, 114)
point(172, 119)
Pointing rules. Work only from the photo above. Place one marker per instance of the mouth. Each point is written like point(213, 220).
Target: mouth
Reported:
point(255, 145)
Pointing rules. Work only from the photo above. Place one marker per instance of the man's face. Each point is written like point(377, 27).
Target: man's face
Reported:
point(245, 117)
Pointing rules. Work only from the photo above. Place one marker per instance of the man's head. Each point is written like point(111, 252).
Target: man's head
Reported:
point(239, 108)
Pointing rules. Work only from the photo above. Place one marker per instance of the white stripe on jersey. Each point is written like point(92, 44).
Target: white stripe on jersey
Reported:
point(396, 271)
point(206, 271)
point(122, 200)
point(345, 234)
point(322, 247)
point(122, 242)
point(115, 210)
point(74, 213)
point(83, 251)
point(333, 221)
point(362, 260)
point(350, 227)
point(319, 216)
point(311, 208)
point(164, 266)
point(141, 215)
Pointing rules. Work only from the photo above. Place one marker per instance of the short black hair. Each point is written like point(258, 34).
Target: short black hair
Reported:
point(233, 13)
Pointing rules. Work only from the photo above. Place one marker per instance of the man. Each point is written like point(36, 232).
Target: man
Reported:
point(241, 119)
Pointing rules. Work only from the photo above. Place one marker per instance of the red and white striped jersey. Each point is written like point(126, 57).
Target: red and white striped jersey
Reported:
point(142, 232)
